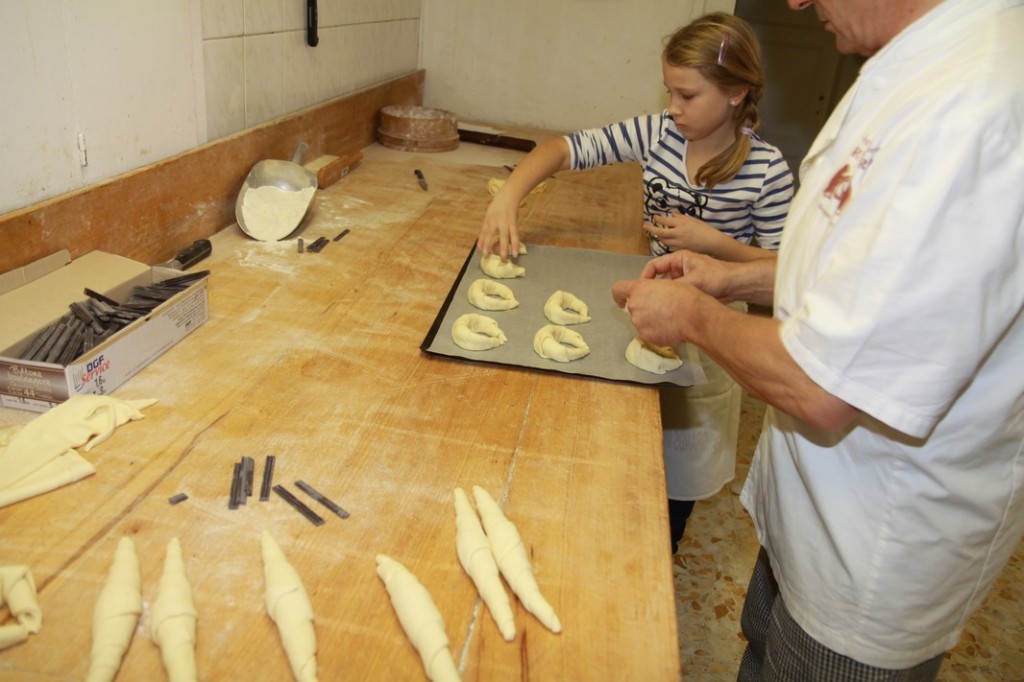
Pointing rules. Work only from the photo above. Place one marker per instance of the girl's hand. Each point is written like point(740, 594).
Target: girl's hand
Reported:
point(501, 226)
point(679, 232)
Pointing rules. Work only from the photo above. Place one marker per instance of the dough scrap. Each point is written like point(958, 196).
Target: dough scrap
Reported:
point(565, 308)
point(474, 552)
point(560, 344)
point(289, 607)
point(651, 358)
point(173, 618)
point(477, 332)
point(422, 622)
point(18, 593)
point(493, 266)
point(494, 186)
point(486, 294)
point(513, 562)
point(38, 456)
point(116, 613)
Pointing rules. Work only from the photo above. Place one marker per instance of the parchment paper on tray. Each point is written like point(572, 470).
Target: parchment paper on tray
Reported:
point(588, 274)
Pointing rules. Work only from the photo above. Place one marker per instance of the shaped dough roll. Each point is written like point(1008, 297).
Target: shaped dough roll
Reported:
point(493, 266)
point(289, 607)
point(117, 611)
point(565, 308)
point(512, 559)
point(560, 344)
point(476, 558)
point(18, 593)
point(486, 294)
point(422, 622)
point(12, 634)
point(173, 618)
point(477, 332)
point(494, 186)
point(650, 358)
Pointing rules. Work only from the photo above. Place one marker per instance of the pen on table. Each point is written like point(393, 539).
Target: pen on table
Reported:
point(421, 179)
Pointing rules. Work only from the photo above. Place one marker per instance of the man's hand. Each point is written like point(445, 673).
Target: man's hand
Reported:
point(712, 276)
point(662, 310)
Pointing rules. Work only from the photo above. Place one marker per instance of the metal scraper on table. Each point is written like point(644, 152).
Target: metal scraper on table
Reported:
point(284, 188)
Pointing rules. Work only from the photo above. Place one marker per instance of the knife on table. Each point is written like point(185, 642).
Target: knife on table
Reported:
point(422, 180)
point(186, 258)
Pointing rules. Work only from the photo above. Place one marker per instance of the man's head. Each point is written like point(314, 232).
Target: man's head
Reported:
point(865, 26)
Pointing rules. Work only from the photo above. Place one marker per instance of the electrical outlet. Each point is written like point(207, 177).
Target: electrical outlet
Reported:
point(83, 157)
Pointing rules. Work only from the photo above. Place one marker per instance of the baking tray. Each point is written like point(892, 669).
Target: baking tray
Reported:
point(586, 273)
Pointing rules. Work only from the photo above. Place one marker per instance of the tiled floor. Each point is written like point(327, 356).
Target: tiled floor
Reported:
point(713, 566)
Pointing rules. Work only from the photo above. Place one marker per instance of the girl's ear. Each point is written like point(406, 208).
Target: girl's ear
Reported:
point(737, 96)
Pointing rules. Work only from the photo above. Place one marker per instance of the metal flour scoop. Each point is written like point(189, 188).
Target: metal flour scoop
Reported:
point(275, 197)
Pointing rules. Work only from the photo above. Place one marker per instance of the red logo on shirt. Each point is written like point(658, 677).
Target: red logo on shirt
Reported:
point(838, 189)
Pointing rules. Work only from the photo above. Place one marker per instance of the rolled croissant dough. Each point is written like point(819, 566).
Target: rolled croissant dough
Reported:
point(173, 618)
point(18, 593)
point(512, 559)
point(477, 332)
point(117, 611)
point(563, 307)
point(474, 552)
point(486, 294)
point(493, 266)
point(289, 607)
point(650, 358)
point(560, 344)
point(422, 622)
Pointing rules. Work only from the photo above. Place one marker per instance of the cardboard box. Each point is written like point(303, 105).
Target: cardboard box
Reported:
point(35, 296)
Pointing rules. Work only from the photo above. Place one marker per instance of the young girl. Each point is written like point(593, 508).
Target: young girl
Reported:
point(710, 185)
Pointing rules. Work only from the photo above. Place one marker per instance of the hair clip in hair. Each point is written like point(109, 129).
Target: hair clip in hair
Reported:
point(722, 49)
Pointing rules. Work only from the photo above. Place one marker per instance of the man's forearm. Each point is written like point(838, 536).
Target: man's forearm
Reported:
point(752, 281)
point(750, 348)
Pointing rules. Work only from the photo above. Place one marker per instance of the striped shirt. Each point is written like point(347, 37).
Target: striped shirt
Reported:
point(751, 206)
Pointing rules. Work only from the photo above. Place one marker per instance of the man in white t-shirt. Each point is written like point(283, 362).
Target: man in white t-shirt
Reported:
point(888, 486)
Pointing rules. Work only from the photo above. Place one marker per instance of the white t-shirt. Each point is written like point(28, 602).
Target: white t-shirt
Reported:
point(900, 289)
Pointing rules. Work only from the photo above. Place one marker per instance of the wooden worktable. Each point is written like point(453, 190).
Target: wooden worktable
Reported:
point(314, 358)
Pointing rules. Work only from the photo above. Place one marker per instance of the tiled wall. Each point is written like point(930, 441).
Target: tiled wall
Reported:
point(258, 66)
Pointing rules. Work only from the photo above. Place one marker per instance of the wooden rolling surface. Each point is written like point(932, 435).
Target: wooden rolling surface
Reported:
point(314, 358)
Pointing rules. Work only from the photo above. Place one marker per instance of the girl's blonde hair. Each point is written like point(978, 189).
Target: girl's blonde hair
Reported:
point(724, 49)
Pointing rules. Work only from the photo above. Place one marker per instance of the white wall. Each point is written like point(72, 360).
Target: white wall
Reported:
point(119, 75)
point(142, 80)
point(258, 66)
point(554, 64)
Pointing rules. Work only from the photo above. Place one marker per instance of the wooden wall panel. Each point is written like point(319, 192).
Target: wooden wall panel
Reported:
point(151, 213)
